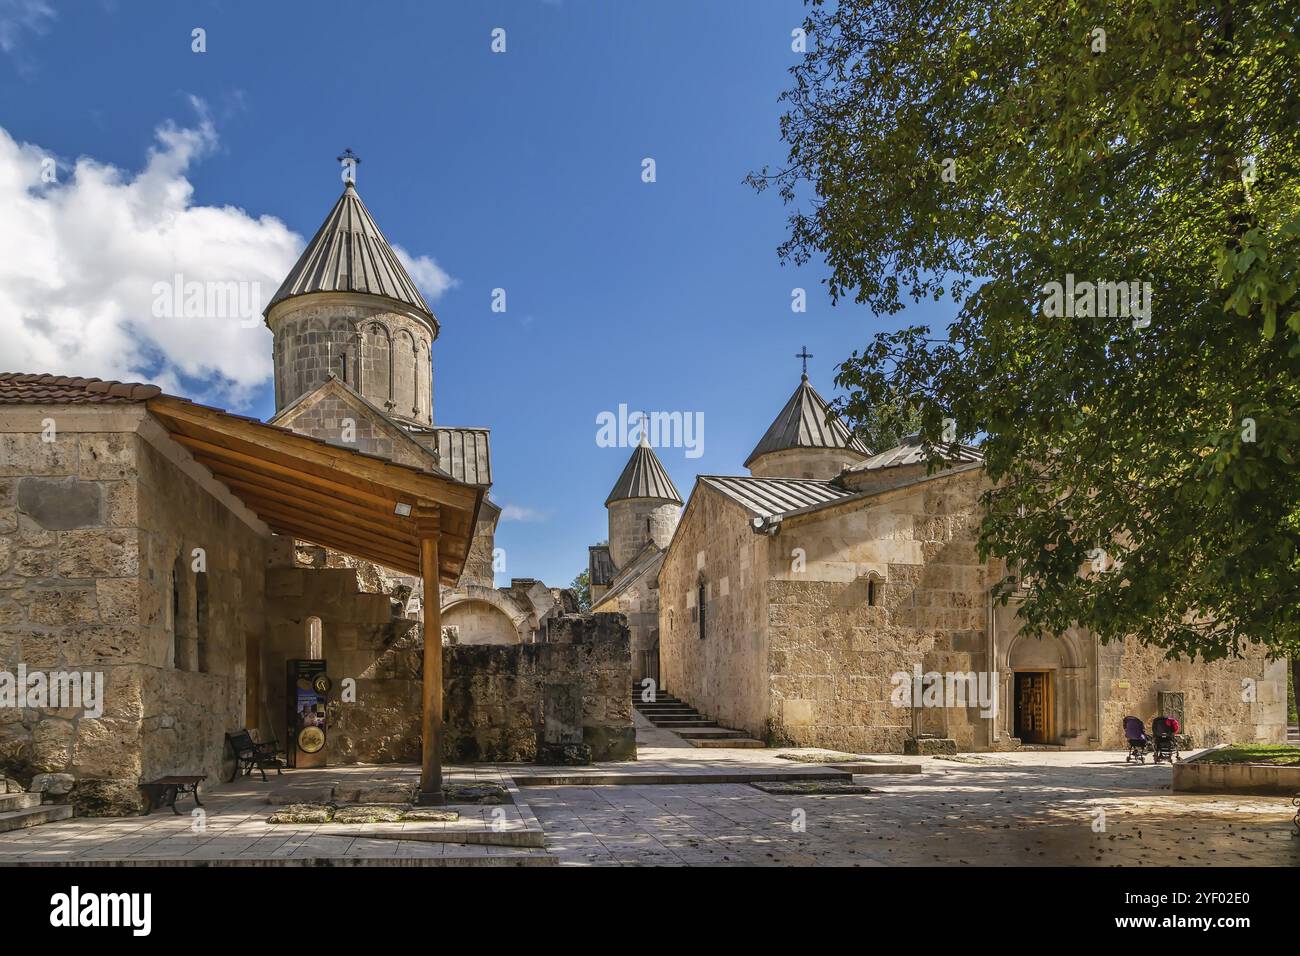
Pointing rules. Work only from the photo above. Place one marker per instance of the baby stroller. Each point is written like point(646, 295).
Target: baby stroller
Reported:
point(1166, 730)
point(1135, 732)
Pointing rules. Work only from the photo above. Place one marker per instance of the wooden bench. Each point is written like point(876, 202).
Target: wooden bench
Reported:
point(251, 755)
point(165, 790)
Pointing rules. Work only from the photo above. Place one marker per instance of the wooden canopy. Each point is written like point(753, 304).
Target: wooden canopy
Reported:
point(329, 495)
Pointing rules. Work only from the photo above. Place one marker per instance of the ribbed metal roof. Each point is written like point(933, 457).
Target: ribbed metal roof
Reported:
point(600, 566)
point(644, 477)
point(465, 452)
point(768, 497)
point(803, 423)
point(350, 254)
point(911, 452)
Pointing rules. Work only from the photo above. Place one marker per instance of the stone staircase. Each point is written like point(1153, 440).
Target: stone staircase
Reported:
point(20, 810)
point(688, 723)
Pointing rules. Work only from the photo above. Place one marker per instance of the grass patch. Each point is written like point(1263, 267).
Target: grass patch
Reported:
point(1274, 754)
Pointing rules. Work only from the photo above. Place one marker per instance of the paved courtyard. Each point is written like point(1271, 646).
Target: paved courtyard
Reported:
point(1023, 809)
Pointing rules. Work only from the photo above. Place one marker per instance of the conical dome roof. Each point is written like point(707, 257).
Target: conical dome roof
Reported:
point(350, 254)
point(644, 477)
point(803, 423)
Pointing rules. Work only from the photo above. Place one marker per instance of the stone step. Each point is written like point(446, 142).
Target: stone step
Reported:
point(711, 733)
point(33, 816)
point(668, 711)
point(637, 701)
point(745, 743)
point(698, 722)
point(19, 801)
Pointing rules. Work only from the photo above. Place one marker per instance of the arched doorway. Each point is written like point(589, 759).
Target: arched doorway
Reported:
point(1046, 690)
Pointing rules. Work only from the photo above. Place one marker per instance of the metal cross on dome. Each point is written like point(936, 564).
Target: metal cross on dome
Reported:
point(805, 355)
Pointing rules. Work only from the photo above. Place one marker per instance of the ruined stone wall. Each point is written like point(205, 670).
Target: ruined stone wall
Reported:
point(724, 675)
point(314, 333)
point(91, 527)
point(365, 641)
point(564, 701)
point(480, 622)
point(833, 654)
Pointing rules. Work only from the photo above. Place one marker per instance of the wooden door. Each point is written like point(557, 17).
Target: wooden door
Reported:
point(1034, 707)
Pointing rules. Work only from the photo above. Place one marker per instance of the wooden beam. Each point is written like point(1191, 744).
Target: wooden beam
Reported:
point(271, 488)
point(206, 451)
point(406, 566)
point(268, 440)
point(431, 727)
point(272, 513)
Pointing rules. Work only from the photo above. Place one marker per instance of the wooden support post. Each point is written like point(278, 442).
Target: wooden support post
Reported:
point(431, 769)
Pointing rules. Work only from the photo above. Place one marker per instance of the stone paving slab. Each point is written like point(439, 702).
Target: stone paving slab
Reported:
point(235, 831)
point(1030, 809)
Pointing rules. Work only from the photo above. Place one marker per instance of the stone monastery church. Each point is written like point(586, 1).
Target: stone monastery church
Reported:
point(805, 602)
point(190, 559)
point(326, 580)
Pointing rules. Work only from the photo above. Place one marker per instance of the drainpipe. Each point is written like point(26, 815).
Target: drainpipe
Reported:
point(994, 677)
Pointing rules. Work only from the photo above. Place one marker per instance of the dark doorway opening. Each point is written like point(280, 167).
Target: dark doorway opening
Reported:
point(1034, 707)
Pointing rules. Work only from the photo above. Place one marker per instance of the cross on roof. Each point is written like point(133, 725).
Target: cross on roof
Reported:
point(350, 161)
point(805, 355)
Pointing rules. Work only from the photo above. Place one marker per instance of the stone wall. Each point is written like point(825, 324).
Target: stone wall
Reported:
point(480, 622)
point(1238, 701)
point(93, 526)
point(834, 654)
point(498, 697)
point(337, 415)
point(857, 593)
point(190, 704)
point(725, 674)
point(564, 701)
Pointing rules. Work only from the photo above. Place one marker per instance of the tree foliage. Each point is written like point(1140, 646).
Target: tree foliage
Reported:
point(975, 152)
point(581, 587)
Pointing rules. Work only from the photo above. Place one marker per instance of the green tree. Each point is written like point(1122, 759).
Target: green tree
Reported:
point(581, 586)
point(881, 424)
point(976, 152)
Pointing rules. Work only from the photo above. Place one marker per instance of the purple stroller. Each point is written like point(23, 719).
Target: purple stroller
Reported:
point(1135, 732)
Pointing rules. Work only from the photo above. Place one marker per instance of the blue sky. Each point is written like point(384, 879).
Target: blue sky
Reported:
point(519, 170)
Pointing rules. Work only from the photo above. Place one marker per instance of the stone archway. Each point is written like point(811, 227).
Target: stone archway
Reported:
point(1062, 661)
point(484, 616)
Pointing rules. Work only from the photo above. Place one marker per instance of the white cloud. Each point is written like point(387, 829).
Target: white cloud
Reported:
point(432, 279)
point(522, 513)
point(88, 264)
point(21, 16)
point(82, 261)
